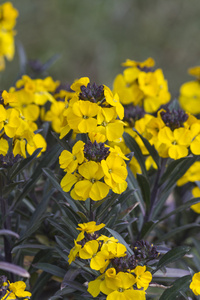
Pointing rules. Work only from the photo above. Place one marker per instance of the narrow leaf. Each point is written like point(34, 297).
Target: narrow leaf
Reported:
point(52, 269)
point(25, 162)
point(177, 230)
point(8, 267)
point(55, 183)
point(172, 256)
point(150, 148)
point(145, 189)
point(181, 284)
point(133, 146)
point(9, 232)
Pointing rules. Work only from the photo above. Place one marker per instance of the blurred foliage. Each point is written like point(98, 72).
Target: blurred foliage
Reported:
point(95, 37)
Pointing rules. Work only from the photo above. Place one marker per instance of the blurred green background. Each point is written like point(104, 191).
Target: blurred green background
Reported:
point(94, 37)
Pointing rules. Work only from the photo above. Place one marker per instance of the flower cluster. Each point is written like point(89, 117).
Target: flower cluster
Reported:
point(93, 169)
point(120, 277)
point(173, 133)
point(190, 93)
point(8, 15)
point(141, 85)
point(17, 130)
point(11, 291)
point(93, 109)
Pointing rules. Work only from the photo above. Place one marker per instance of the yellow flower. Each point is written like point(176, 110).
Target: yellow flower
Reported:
point(114, 170)
point(126, 294)
point(192, 174)
point(155, 89)
point(68, 181)
point(89, 249)
point(149, 62)
point(196, 193)
point(82, 118)
point(91, 186)
point(114, 248)
point(90, 227)
point(121, 285)
point(114, 101)
point(19, 147)
point(176, 142)
point(4, 146)
point(55, 115)
point(143, 277)
point(74, 252)
point(94, 287)
point(7, 47)
point(78, 83)
point(150, 163)
point(8, 98)
point(9, 120)
point(8, 15)
point(100, 261)
point(69, 161)
point(195, 71)
point(37, 142)
point(195, 284)
point(127, 93)
point(17, 289)
point(190, 97)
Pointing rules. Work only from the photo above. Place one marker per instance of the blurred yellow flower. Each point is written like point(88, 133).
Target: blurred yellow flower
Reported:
point(195, 284)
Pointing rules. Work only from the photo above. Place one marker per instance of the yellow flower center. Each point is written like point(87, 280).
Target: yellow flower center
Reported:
point(120, 290)
point(74, 157)
point(110, 171)
point(85, 117)
point(93, 180)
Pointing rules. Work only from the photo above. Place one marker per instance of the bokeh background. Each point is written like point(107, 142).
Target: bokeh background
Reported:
point(93, 37)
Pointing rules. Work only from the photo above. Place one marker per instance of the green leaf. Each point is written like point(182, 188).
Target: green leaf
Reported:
point(59, 294)
point(150, 148)
point(75, 285)
point(171, 273)
point(63, 230)
point(8, 267)
point(173, 232)
point(174, 167)
point(120, 239)
point(41, 281)
point(133, 146)
point(180, 208)
point(25, 162)
point(147, 228)
point(48, 159)
point(171, 256)
point(145, 189)
point(10, 187)
point(9, 232)
point(52, 269)
point(133, 185)
point(181, 167)
point(38, 216)
point(30, 246)
point(55, 183)
point(180, 285)
point(104, 209)
point(63, 142)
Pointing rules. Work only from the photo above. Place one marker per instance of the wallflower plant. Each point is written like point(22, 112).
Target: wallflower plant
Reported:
point(99, 186)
